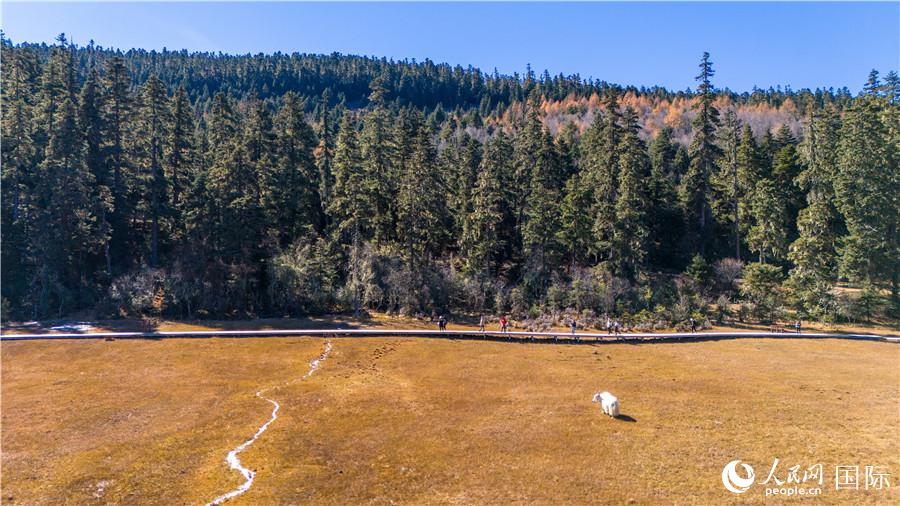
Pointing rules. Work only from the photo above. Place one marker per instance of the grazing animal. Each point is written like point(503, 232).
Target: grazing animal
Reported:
point(609, 403)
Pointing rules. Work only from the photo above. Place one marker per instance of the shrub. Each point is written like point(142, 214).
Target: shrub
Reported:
point(302, 278)
point(727, 272)
point(762, 287)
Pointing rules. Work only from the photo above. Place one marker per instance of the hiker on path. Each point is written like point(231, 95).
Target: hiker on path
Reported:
point(481, 324)
point(797, 326)
point(693, 325)
point(608, 326)
point(442, 323)
point(503, 323)
point(574, 325)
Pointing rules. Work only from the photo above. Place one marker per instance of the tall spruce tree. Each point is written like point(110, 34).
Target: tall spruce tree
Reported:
point(149, 158)
point(631, 233)
point(291, 195)
point(180, 152)
point(867, 186)
point(704, 152)
point(351, 208)
point(377, 151)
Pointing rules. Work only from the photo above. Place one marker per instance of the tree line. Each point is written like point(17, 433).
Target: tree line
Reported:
point(200, 185)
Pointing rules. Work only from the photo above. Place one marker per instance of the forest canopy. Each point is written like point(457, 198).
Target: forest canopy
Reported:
point(212, 185)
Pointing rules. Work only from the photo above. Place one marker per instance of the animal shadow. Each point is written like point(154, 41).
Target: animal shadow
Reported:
point(626, 418)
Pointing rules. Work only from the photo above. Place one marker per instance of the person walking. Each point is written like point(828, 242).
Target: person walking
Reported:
point(574, 325)
point(617, 326)
point(797, 326)
point(608, 326)
point(693, 325)
point(442, 323)
point(481, 324)
point(503, 324)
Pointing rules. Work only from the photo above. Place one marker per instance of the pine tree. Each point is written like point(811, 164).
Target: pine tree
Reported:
point(91, 126)
point(291, 186)
point(19, 86)
point(420, 200)
point(351, 209)
point(814, 253)
point(664, 215)
point(149, 157)
point(377, 150)
point(768, 233)
point(324, 154)
point(867, 186)
point(695, 188)
point(575, 234)
point(602, 165)
point(542, 221)
point(180, 150)
point(729, 192)
point(630, 236)
point(481, 241)
point(117, 101)
point(66, 235)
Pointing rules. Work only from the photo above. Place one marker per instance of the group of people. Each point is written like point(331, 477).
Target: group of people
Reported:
point(613, 326)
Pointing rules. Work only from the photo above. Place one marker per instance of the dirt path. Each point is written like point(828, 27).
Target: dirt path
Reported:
point(232, 458)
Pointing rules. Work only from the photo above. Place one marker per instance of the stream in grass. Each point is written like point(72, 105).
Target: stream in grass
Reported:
point(233, 461)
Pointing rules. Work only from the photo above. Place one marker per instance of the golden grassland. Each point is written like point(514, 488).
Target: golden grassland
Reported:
point(433, 421)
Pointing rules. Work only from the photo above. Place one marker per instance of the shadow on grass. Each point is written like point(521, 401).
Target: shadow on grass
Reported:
point(626, 418)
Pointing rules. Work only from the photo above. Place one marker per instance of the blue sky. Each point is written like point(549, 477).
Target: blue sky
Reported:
point(763, 44)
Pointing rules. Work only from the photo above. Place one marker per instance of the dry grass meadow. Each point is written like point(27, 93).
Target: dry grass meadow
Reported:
point(433, 421)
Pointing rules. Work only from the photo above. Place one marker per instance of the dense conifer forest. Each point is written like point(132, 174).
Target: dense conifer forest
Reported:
point(197, 185)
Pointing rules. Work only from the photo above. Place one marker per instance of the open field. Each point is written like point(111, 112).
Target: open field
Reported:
point(439, 421)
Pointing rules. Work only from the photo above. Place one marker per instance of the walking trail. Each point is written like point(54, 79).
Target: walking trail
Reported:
point(233, 461)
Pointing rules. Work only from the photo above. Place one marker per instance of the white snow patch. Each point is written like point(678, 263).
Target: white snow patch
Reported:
point(100, 488)
point(74, 327)
point(233, 461)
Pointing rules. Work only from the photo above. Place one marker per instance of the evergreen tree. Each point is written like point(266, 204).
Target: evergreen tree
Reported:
point(575, 234)
point(351, 210)
point(664, 215)
point(542, 222)
point(729, 191)
point(180, 150)
point(602, 164)
point(867, 186)
point(117, 101)
point(149, 157)
point(768, 233)
point(814, 253)
point(19, 87)
point(324, 154)
point(704, 153)
point(91, 126)
point(630, 237)
point(66, 201)
point(377, 152)
point(420, 202)
point(481, 241)
point(291, 187)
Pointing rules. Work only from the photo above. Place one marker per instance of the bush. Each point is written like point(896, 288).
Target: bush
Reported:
point(727, 272)
point(700, 274)
point(140, 293)
point(302, 278)
point(762, 287)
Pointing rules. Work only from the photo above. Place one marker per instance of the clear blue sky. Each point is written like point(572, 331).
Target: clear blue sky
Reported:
point(764, 44)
